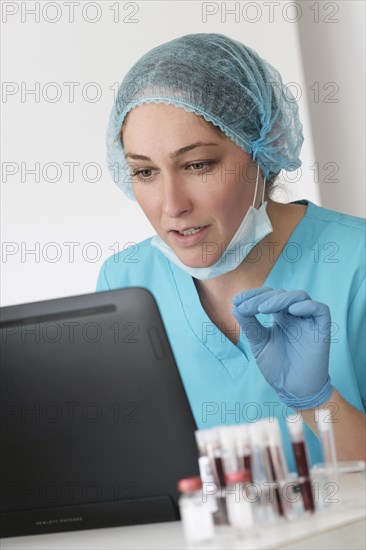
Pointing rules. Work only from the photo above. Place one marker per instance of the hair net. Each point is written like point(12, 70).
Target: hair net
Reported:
point(225, 82)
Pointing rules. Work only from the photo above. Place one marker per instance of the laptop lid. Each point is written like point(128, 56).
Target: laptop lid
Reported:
point(96, 428)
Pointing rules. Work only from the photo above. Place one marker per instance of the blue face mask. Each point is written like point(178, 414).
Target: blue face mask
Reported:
point(254, 227)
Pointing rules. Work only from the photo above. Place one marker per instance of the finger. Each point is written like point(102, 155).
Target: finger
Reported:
point(309, 308)
point(252, 329)
point(282, 301)
point(251, 305)
point(238, 298)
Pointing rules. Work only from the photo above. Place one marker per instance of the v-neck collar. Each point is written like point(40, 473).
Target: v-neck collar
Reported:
point(232, 358)
point(235, 358)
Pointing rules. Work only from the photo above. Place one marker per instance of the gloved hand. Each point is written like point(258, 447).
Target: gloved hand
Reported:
point(292, 353)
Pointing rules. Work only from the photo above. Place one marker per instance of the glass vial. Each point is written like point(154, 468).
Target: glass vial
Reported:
point(195, 514)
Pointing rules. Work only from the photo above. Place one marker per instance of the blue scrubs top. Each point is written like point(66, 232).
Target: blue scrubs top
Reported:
point(325, 256)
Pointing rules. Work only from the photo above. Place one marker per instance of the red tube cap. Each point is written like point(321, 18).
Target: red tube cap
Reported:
point(241, 476)
point(189, 484)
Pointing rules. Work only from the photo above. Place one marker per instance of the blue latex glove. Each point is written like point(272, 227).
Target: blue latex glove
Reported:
point(292, 353)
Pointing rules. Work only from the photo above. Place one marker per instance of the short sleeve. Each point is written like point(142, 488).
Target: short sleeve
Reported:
point(357, 338)
point(102, 282)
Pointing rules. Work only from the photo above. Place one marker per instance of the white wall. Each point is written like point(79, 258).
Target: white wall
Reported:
point(47, 216)
point(333, 52)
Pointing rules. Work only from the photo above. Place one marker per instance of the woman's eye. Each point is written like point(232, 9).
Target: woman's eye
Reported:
point(146, 174)
point(141, 174)
point(201, 166)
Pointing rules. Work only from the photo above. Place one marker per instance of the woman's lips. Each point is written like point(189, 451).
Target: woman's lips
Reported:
point(189, 240)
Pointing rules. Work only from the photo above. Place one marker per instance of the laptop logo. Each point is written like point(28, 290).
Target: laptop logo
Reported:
point(57, 521)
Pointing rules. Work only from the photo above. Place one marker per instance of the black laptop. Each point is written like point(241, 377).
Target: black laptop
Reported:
point(96, 428)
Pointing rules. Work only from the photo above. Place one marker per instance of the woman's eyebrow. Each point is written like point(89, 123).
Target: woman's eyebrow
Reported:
point(174, 155)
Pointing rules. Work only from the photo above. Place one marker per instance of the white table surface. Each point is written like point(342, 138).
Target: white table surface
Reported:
point(339, 526)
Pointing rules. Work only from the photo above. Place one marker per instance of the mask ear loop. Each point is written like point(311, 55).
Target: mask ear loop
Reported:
point(264, 188)
point(256, 189)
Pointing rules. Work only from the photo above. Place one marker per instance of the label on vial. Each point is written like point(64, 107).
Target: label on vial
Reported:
point(209, 488)
point(197, 519)
point(240, 510)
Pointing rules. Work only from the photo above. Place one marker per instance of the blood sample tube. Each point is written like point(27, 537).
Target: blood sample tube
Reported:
point(296, 429)
point(217, 468)
point(243, 449)
point(227, 436)
point(277, 468)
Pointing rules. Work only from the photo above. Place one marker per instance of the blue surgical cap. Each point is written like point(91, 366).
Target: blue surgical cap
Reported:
point(226, 83)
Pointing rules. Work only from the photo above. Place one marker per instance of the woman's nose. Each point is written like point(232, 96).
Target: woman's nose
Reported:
point(175, 200)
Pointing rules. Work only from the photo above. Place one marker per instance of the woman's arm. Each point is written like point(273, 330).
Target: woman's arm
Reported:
point(349, 426)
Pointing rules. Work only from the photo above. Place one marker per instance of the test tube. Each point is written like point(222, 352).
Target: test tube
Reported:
point(216, 464)
point(227, 437)
point(240, 509)
point(296, 429)
point(326, 436)
point(205, 469)
point(277, 472)
point(243, 449)
point(266, 512)
point(327, 439)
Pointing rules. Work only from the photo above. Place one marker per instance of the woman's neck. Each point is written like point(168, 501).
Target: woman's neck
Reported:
point(255, 268)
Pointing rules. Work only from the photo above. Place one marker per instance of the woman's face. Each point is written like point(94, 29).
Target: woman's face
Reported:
point(186, 177)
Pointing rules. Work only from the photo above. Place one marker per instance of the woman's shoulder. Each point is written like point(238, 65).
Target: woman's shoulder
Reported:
point(137, 255)
point(337, 219)
point(134, 264)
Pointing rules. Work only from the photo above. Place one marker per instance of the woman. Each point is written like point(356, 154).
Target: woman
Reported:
point(263, 302)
